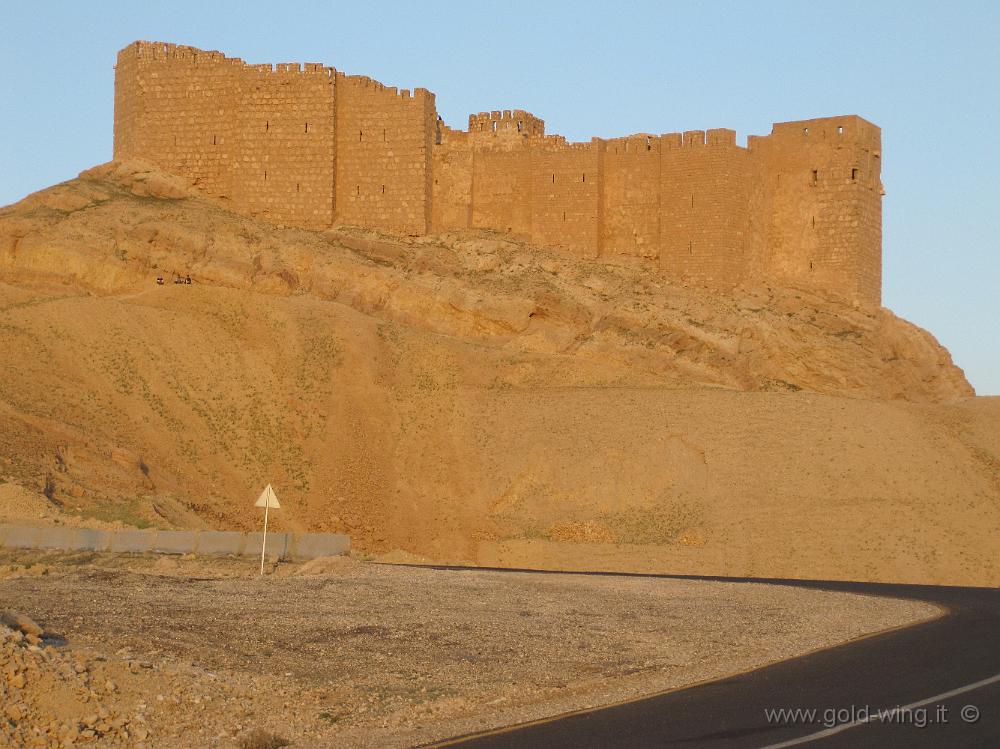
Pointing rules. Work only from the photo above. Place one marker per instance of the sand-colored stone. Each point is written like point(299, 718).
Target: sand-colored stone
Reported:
point(306, 145)
point(535, 408)
point(21, 622)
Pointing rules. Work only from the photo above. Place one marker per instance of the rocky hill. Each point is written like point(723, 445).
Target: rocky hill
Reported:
point(467, 397)
point(114, 229)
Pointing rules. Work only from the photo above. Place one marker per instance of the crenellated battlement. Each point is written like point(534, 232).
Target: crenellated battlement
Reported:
point(306, 144)
point(515, 122)
point(390, 92)
point(152, 52)
point(699, 138)
point(720, 137)
point(559, 143)
point(828, 131)
point(638, 144)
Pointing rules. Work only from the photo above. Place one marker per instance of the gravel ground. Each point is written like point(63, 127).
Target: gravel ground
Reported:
point(340, 652)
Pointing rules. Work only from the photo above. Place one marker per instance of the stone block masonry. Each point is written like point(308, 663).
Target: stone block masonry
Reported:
point(306, 145)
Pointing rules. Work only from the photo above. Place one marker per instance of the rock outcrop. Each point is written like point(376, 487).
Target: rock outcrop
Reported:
point(466, 397)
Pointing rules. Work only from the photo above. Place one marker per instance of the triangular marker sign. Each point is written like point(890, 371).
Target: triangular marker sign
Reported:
point(267, 498)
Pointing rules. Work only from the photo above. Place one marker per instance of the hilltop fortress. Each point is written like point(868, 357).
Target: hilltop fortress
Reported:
point(309, 146)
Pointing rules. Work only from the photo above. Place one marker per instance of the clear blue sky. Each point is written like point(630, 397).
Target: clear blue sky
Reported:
point(927, 72)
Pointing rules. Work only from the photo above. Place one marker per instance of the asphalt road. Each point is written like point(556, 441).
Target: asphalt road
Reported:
point(943, 677)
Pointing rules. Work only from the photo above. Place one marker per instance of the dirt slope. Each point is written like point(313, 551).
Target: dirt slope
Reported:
point(464, 397)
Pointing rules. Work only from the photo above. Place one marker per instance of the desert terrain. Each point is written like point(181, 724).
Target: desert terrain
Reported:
point(466, 398)
point(140, 651)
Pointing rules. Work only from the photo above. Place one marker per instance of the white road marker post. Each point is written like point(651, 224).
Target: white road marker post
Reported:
point(267, 500)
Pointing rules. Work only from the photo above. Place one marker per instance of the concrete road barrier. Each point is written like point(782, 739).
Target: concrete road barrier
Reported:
point(90, 539)
point(20, 537)
point(131, 542)
point(220, 543)
point(298, 546)
point(311, 545)
point(174, 542)
point(56, 538)
point(277, 545)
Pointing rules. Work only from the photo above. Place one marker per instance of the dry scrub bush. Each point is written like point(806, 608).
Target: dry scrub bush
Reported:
point(258, 738)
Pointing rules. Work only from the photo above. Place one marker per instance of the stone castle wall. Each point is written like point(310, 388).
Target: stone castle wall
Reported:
point(259, 135)
point(310, 146)
point(384, 142)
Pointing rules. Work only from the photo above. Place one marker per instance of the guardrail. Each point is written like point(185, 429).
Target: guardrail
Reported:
point(292, 546)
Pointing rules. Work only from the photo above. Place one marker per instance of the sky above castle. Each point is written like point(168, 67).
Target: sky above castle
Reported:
point(923, 71)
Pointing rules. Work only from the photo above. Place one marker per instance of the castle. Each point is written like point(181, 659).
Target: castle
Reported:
point(307, 145)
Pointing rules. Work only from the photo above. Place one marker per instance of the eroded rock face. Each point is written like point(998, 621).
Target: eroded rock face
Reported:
point(121, 224)
point(465, 397)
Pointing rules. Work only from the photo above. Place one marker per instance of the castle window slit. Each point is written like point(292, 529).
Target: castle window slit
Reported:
point(815, 176)
point(854, 174)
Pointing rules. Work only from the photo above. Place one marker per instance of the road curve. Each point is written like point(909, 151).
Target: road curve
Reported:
point(934, 684)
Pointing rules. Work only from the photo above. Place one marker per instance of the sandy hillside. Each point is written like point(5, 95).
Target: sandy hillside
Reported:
point(466, 398)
